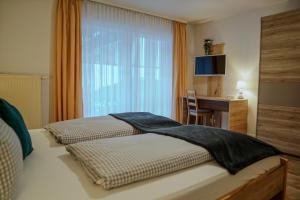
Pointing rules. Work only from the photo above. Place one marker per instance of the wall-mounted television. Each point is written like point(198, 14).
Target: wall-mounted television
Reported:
point(212, 65)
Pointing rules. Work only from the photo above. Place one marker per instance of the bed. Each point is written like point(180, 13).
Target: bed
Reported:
point(50, 172)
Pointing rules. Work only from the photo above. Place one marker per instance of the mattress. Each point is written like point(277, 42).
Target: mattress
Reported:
point(51, 173)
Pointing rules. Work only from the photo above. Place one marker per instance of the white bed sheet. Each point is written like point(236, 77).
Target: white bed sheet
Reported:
point(51, 173)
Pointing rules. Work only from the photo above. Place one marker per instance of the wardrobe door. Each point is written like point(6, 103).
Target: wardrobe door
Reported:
point(278, 120)
point(279, 87)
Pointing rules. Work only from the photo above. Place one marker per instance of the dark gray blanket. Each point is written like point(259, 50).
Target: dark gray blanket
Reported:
point(233, 151)
point(145, 121)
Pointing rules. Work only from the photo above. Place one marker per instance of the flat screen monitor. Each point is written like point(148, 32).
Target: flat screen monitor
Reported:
point(210, 65)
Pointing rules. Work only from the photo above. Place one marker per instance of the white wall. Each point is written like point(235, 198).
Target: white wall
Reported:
point(26, 40)
point(241, 35)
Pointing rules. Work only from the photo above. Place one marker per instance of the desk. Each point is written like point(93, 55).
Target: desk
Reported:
point(237, 111)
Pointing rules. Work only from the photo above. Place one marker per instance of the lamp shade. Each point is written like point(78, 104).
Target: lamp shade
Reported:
point(240, 85)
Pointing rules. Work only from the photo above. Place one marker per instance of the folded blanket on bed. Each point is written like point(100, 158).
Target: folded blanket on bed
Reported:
point(146, 122)
point(78, 130)
point(233, 151)
point(115, 162)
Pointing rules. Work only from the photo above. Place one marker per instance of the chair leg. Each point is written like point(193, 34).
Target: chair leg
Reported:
point(201, 120)
point(196, 120)
point(212, 120)
point(204, 120)
point(188, 119)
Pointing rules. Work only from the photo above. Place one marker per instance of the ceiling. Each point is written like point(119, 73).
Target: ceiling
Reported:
point(196, 11)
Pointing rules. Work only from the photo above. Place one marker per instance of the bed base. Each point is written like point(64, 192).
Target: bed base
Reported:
point(268, 186)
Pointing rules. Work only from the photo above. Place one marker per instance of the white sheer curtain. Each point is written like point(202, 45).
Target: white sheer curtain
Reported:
point(127, 61)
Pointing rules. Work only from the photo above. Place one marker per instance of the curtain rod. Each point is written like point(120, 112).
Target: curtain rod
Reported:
point(136, 10)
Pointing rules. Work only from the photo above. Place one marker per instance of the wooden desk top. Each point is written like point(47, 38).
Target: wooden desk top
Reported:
point(218, 98)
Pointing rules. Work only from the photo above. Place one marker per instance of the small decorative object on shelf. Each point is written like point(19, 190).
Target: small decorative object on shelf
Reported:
point(208, 46)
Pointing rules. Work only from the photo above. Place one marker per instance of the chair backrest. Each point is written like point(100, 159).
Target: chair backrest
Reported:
point(191, 100)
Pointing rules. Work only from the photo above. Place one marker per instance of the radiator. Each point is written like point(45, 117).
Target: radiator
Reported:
point(24, 92)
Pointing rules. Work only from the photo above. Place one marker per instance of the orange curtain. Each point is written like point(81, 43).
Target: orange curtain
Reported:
point(67, 70)
point(179, 67)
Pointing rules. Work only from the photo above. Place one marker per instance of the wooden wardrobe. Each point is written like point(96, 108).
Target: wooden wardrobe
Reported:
point(278, 120)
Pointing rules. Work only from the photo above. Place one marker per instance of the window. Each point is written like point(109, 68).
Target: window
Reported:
point(127, 61)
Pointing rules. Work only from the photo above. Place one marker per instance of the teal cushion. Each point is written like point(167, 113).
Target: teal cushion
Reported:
point(14, 119)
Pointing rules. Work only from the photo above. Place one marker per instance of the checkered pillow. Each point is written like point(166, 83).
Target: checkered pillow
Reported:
point(113, 162)
point(11, 161)
point(92, 128)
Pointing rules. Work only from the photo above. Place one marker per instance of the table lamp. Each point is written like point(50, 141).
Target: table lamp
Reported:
point(240, 86)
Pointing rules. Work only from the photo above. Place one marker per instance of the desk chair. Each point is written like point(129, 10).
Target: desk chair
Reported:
point(193, 110)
